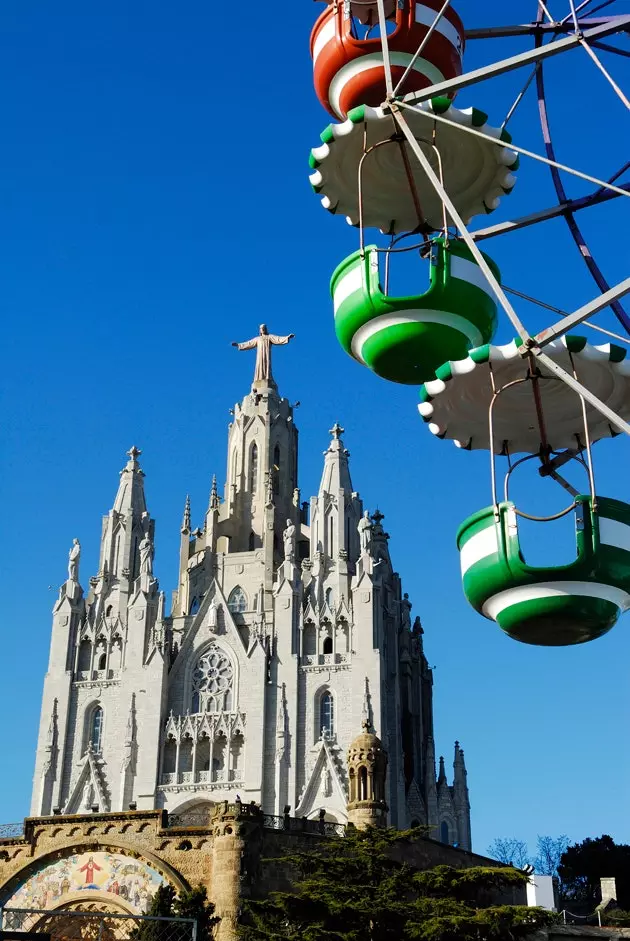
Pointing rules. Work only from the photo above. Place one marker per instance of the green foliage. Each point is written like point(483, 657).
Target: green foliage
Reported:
point(584, 864)
point(361, 888)
point(616, 918)
point(191, 903)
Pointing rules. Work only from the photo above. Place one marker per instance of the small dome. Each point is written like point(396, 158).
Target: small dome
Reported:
point(367, 749)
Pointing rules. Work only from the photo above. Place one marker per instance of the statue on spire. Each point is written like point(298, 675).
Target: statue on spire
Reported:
point(73, 561)
point(263, 343)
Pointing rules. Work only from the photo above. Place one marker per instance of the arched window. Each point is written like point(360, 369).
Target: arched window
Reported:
point(237, 601)
point(96, 729)
point(444, 832)
point(328, 645)
point(194, 606)
point(276, 469)
point(253, 469)
point(329, 597)
point(252, 545)
point(363, 784)
point(212, 681)
point(326, 714)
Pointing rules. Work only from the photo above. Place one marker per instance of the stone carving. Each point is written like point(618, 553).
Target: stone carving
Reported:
point(146, 556)
point(73, 561)
point(262, 344)
point(405, 609)
point(213, 612)
point(288, 537)
point(365, 533)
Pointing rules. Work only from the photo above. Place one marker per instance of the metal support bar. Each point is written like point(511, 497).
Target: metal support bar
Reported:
point(459, 222)
point(382, 22)
point(516, 62)
point(606, 75)
point(530, 29)
point(582, 313)
point(429, 115)
point(601, 407)
point(543, 214)
point(425, 40)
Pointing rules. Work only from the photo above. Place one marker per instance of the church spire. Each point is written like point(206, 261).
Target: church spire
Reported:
point(336, 473)
point(442, 775)
point(214, 495)
point(130, 496)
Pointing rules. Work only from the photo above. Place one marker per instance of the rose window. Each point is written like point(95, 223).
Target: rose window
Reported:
point(212, 682)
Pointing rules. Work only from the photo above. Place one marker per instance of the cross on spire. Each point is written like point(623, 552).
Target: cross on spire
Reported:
point(336, 431)
point(133, 454)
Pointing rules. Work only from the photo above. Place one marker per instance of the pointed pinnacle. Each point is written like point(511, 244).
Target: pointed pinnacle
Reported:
point(214, 494)
point(186, 519)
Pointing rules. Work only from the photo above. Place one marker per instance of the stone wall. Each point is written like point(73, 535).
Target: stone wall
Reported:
point(233, 856)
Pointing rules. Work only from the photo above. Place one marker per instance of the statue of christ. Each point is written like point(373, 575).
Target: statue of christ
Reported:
point(263, 343)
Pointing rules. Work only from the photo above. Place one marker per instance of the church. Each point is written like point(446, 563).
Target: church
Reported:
point(288, 633)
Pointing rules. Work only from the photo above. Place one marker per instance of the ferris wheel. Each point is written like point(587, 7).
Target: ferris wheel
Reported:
point(403, 159)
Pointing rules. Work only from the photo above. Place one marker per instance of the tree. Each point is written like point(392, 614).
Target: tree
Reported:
point(549, 850)
point(584, 864)
point(360, 888)
point(509, 851)
point(191, 903)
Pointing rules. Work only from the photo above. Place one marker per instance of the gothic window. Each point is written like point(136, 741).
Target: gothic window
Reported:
point(102, 661)
point(309, 640)
point(85, 655)
point(170, 756)
point(276, 469)
point(253, 469)
point(363, 784)
point(329, 597)
point(328, 645)
point(212, 681)
point(444, 832)
point(252, 541)
point(194, 606)
point(96, 729)
point(326, 714)
point(237, 601)
point(218, 758)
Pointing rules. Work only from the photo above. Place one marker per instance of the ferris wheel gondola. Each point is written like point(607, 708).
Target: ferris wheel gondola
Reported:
point(406, 161)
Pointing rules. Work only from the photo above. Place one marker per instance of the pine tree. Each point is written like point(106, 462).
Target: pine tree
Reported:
point(360, 888)
point(190, 903)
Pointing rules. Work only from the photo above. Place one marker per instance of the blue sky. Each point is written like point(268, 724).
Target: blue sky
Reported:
point(155, 206)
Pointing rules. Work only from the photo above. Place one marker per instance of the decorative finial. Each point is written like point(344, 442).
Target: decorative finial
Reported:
point(377, 516)
point(214, 494)
point(133, 454)
point(365, 716)
point(186, 519)
point(336, 431)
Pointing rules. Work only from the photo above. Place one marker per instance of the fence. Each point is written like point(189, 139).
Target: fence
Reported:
point(72, 925)
point(302, 825)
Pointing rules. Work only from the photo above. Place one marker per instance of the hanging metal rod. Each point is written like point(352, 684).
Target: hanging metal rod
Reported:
point(615, 25)
point(441, 119)
point(458, 221)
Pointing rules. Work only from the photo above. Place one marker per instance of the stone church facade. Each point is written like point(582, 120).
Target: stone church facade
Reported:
point(288, 629)
point(284, 694)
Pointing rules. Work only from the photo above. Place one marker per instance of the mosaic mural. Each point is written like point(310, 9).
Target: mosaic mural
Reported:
point(122, 876)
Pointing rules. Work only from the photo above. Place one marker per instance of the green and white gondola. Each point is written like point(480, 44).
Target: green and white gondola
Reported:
point(405, 339)
point(553, 605)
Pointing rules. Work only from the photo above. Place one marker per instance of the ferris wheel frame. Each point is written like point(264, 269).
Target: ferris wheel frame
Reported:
point(396, 107)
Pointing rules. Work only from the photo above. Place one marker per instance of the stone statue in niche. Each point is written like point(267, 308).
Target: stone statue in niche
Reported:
point(146, 556)
point(288, 537)
point(365, 533)
point(213, 616)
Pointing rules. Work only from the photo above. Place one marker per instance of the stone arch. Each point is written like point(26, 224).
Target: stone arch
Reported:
point(87, 846)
